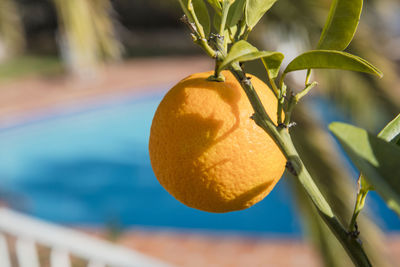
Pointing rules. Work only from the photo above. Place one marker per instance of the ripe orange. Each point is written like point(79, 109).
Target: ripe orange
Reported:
point(207, 152)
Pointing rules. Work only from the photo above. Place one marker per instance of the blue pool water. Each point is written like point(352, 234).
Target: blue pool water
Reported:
point(92, 168)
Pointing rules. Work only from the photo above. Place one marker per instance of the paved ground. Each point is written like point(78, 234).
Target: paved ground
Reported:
point(24, 100)
point(31, 97)
point(199, 249)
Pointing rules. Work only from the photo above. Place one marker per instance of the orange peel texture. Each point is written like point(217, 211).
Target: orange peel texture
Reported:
point(207, 152)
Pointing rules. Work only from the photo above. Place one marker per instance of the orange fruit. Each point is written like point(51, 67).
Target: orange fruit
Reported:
point(207, 152)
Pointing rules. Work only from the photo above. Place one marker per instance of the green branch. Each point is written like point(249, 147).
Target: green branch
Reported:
point(202, 42)
point(292, 101)
point(305, 91)
point(281, 102)
point(199, 28)
point(297, 168)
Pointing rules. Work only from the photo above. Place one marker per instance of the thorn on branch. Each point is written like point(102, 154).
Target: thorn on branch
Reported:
point(246, 81)
point(184, 19)
point(216, 36)
point(355, 233)
point(286, 97)
point(241, 65)
point(282, 126)
point(194, 37)
point(290, 168)
point(190, 25)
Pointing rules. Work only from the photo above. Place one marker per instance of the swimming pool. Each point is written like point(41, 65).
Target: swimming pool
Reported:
point(91, 167)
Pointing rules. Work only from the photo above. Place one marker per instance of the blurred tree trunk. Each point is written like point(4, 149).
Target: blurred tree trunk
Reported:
point(12, 38)
point(86, 34)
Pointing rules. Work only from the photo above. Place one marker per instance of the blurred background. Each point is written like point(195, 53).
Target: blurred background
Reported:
point(80, 81)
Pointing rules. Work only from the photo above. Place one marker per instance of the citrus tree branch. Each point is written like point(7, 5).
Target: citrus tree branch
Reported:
point(292, 101)
point(297, 168)
point(198, 39)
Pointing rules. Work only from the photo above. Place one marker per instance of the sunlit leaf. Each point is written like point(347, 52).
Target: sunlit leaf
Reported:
point(376, 158)
point(329, 59)
point(255, 9)
point(201, 11)
point(243, 51)
point(272, 63)
point(341, 24)
point(238, 50)
point(391, 132)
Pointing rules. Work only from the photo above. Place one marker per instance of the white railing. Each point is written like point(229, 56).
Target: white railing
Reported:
point(63, 242)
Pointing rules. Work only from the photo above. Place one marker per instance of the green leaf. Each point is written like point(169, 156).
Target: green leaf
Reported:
point(235, 13)
point(238, 50)
point(215, 4)
point(243, 51)
point(184, 6)
point(376, 158)
point(255, 9)
point(216, 21)
point(391, 132)
point(201, 11)
point(231, 33)
point(272, 63)
point(330, 59)
point(341, 24)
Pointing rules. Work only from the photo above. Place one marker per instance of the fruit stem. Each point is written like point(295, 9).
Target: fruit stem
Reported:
point(218, 41)
point(282, 138)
